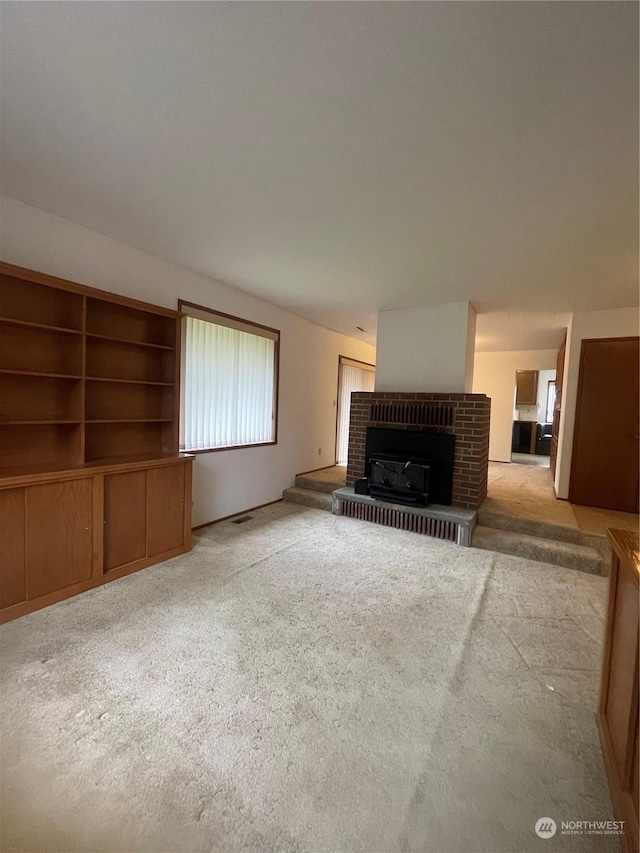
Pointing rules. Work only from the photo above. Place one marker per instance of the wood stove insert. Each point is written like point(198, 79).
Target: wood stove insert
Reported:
point(417, 466)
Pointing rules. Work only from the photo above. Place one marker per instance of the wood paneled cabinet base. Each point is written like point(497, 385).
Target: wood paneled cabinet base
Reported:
point(68, 531)
point(618, 711)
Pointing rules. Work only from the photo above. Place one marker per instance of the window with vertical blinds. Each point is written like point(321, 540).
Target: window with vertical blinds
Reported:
point(229, 381)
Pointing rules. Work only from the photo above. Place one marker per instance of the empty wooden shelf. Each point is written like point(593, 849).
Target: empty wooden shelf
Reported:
point(39, 350)
point(92, 485)
point(113, 359)
point(39, 398)
point(34, 301)
point(128, 324)
point(44, 445)
point(111, 440)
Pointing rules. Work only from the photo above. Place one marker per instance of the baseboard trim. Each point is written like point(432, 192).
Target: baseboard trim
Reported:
point(235, 514)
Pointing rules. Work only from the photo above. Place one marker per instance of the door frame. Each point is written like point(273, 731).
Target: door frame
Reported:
point(341, 360)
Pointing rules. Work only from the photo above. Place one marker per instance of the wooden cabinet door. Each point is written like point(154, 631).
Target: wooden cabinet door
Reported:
point(125, 518)
point(13, 568)
point(620, 708)
point(165, 509)
point(526, 387)
point(59, 535)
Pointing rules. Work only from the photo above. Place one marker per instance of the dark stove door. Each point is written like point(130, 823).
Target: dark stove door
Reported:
point(399, 480)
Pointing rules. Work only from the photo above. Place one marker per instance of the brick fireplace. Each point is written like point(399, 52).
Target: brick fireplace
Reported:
point(465, 416)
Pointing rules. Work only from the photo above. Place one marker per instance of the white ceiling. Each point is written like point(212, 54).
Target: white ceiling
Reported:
point(341, 158)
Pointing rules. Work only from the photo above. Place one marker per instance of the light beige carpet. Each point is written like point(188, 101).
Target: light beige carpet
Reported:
point(593, 520)
point(526, 492)
point(333, 478)
point(307, 683)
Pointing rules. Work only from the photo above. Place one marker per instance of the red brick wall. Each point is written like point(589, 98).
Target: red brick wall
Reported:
point(470, 416)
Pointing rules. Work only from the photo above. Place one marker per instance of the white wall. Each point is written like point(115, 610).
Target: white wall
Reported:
point(613, 323)
point(426, 348)
point(495, 376)
point(225, 482)
point(470, 355)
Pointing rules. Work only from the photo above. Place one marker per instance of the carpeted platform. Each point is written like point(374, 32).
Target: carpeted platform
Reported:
point(324, 480)
point(527, 492)
point(595, 521)
point(303, 682)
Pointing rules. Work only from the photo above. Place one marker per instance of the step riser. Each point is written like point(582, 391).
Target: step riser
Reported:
point(542, 551)
point(529, 527)
point(544, 530)
point(305, 497)
point(580, 566)
point(316, 485)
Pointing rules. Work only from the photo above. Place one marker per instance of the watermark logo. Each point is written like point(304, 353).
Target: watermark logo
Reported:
point(592, 827)
point(546, 827)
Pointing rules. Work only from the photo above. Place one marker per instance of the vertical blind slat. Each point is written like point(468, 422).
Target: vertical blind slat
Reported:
point(228, 387)
point(351, 379)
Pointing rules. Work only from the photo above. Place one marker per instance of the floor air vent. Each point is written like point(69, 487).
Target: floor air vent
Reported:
point(242, 519)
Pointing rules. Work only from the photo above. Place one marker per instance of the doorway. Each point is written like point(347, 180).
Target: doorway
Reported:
point(534, 401)
point(352, 376)
point(604, 463)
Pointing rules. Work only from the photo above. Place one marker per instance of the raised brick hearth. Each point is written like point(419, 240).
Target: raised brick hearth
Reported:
point(464, 415)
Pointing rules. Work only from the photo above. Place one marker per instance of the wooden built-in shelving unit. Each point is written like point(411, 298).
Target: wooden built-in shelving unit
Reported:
point(88, 379)
point(71, 364)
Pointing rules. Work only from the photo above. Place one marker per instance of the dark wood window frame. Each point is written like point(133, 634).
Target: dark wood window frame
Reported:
point(274, 335)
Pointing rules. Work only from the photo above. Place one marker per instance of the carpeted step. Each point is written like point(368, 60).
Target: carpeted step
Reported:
point(567, 554)
point(319, 500)
point(531, 527)
point(546, 530)
point(317, 484)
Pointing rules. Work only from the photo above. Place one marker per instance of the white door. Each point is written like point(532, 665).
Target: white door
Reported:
point(353, 376)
